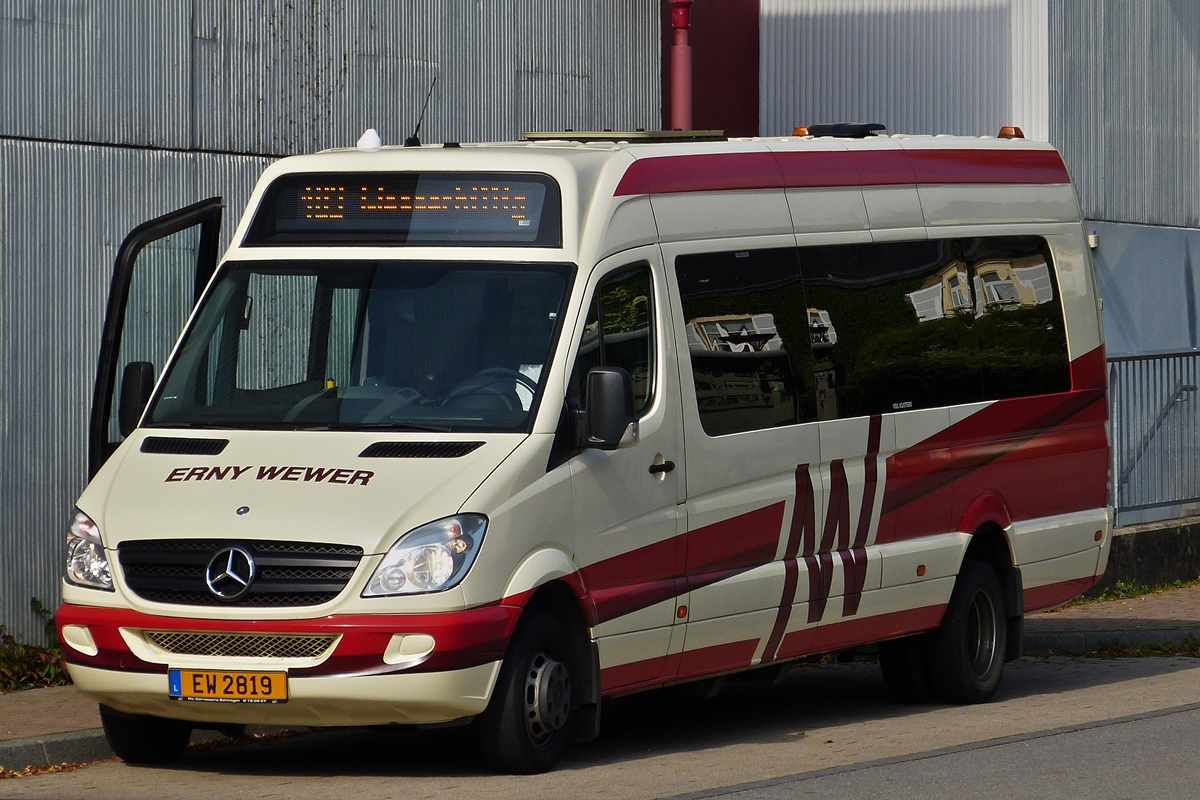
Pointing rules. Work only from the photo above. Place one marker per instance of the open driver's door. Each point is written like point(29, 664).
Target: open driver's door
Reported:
point(161, 269)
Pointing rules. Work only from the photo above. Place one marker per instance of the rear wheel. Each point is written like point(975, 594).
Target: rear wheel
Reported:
point(526, 724)
point(964, 658)
point(140, 739)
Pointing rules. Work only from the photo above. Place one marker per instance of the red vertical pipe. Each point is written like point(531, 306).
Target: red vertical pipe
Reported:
point(681, 66)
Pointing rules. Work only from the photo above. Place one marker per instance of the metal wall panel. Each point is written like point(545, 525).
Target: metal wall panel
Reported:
point(1125, 107)
point(68, 207)
point(280, 77)
point(918, 66)
point(105, 71)
point(1149, 278)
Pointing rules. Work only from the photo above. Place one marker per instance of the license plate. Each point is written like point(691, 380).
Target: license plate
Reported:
point(218, 686)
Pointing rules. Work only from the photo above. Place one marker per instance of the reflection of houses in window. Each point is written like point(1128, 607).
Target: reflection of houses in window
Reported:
point(944, 292)
point(734, 333)
point(1012, 284)
point(743, 376)
point(820, 328)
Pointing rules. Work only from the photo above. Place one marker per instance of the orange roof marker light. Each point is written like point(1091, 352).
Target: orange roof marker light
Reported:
point(1011, 132)
point(800, 131)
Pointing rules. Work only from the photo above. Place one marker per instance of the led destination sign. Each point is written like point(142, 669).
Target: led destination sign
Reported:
point(373, 208)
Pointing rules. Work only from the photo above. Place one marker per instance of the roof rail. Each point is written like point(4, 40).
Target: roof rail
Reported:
point(626, 136)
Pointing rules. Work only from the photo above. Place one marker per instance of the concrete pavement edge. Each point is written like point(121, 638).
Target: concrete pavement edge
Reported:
point(77, 747)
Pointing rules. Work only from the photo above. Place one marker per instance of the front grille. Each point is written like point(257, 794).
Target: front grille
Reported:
point(242, 645)
point(287, 574)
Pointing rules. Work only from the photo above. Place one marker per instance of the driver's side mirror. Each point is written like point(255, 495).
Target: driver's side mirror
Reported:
point(137, 383)
point(609, 419)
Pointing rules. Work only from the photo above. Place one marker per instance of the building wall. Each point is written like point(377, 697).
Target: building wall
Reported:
point(918, 66)
point(1126, 107)
point(114, 112)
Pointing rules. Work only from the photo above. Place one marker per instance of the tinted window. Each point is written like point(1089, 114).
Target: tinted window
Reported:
point(619, 332)
point(1018, 316)
point(892, 327)
point(747, 332)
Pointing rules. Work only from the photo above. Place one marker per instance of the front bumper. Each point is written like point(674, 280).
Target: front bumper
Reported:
point(358, 681)
point(422, 697)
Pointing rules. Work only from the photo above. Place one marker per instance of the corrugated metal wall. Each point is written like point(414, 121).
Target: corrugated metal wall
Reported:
point(104, 105)
point(1125, 80)
point(918, 66)
point(67, 208)
point(287, 77)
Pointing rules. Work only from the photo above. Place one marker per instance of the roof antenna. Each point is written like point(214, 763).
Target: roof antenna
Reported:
point(413, 141)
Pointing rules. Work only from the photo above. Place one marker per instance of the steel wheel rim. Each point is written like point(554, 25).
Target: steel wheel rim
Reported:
point(547, 697)
point(981, 635)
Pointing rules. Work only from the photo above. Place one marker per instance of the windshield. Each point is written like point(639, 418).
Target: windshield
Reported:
point(444, 346)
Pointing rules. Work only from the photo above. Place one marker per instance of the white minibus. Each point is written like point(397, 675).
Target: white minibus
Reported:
point(483, 434)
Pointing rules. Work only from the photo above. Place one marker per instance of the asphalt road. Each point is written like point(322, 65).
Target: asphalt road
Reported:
point(1090, 728)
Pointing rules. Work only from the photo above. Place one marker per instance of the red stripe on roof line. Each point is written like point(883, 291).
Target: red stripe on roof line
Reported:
point(707, 172)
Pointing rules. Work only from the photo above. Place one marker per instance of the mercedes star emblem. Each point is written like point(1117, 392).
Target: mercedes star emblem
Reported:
point(230, 573)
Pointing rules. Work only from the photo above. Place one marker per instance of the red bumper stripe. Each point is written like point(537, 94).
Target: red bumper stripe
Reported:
point(462, 638)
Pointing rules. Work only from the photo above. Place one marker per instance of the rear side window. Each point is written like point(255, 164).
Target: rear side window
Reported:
point(1018, 316)
point(783, 336)
point(747, 332)
point(896, 327)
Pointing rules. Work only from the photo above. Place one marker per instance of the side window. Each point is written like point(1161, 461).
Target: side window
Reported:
point(619, 332)
point(1018, 316)
point(892, 327)
point(748, 338)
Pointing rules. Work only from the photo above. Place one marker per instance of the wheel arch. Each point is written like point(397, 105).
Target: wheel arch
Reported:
point(990, 544)
point(548, 582)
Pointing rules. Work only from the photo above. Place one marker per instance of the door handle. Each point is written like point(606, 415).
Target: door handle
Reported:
point(666, 466)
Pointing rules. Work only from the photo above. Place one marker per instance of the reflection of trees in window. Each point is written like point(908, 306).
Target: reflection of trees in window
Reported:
point(897, 348)
point(878, 328)
point(618, 333)
point(1022, 339)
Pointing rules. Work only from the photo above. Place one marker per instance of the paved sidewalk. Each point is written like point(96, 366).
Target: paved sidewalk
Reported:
point(1167, 617)
point(40, 727)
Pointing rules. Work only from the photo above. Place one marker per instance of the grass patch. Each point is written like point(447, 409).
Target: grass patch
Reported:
point(1189, 647)
point(1124, 590)
point(28, 666)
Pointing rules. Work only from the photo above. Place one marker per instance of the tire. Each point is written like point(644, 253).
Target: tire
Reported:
point(964, 658)
point(903, 664)
point(526, 725)
point(139, 739)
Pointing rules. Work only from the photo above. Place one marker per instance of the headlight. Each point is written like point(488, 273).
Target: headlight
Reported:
point(86, 562)
point(429, 558)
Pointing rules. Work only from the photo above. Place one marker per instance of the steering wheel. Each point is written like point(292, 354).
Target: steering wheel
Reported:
point(484, 382)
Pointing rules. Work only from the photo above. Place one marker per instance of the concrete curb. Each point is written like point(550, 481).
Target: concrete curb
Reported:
point(43, 751)
point(1058, 642)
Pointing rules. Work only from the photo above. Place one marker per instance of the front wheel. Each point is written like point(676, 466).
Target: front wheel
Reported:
point(964, 658)
point(524, 729)
point(139, 739)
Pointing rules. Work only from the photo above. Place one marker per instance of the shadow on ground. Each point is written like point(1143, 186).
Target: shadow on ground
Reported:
point(657, 723)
